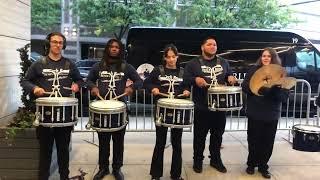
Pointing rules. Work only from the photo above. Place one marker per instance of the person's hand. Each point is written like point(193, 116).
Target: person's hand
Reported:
point(186, 93)
point(128, 91)
point(38, 91)
point(232, 80)
point(75, 87)
point(155, 91)
point(200, 82)
point(95, 91)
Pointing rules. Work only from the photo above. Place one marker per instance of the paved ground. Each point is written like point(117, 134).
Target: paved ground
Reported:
point(285, 163)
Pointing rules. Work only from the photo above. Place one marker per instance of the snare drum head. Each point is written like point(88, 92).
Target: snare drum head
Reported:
point(57, 100)
point(224, 89)
point(307, 128)
point(107, 105)
point(175, 102)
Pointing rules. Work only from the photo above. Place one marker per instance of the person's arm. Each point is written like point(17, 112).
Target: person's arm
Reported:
point(27, 82)
point(246, 82)
point(134, 76)
point(152, 81)
point(93, 76)
point(76, 78)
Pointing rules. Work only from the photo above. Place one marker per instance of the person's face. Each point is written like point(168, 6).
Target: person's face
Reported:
point(171, 59)
point(266, 58)
point(209, 48)
point(114, 49)
point(56, 44)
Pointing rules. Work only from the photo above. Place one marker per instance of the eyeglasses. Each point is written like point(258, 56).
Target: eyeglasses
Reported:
point(57, 42)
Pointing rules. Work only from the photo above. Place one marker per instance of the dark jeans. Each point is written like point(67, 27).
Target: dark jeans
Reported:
point(260, 137)
point(157, 158)
point(46, 136)
point(104, 149)
point(205, 120)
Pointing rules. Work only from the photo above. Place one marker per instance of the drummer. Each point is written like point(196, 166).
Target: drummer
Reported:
point(263, 113)
point(112, 61)
point(196, 74)
point(152, 84)
point(37, 83)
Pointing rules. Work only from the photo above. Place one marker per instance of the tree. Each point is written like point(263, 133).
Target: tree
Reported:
point(234, 14)
point(117, 16)
point(45, 13)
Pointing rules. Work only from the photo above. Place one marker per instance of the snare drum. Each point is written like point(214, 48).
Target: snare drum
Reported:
point(56, 111)
point(306, 138)
point(108, 115)
point(225, 98)
point(174, 113)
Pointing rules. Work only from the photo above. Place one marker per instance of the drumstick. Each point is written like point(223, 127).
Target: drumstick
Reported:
point(47, 92)
point(180, 95)
point(68, 88)
point(100, 97)
point(119, 96)
point(163, 94)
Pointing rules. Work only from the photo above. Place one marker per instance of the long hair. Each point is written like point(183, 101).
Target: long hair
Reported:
point(107, 59)
point(166, 49)
point(275, 59)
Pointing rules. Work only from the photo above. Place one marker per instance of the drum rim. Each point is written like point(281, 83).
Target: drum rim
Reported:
point(231, 89)
point(119, 108)
point(163, 102)
point(52, 101)
point(295, 128)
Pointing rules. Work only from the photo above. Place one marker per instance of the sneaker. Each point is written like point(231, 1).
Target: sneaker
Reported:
point(155, 178)
point(218, 166)
point(101, 173)
point(250, 170)
point(265, 173)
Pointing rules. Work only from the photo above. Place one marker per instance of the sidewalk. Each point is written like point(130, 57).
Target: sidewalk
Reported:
point(285, 162)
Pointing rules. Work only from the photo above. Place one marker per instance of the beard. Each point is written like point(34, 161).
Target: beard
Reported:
point(210, 55)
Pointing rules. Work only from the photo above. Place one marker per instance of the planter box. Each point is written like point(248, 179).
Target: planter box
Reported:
point(20, 159)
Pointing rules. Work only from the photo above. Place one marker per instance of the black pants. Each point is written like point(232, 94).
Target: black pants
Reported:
point(260, 137)
point(104, 149)
point(205, 120)
point(47, 135)
point(157, 158)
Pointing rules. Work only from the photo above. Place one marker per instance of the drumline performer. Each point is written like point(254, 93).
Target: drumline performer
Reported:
point(263, 112)
point(112, 61)
point(196, 74)
point(157, 87)
point(39, 83)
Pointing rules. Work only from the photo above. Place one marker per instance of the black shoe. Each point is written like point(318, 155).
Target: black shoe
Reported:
point(197, 167)
point(118, 175)
point(155, 178)
point(218, 166)
point(250, 170)
point(265, 173)
point(101, 173)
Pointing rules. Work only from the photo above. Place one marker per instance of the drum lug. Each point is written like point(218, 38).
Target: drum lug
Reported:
point(304, 137)
point(36, 120)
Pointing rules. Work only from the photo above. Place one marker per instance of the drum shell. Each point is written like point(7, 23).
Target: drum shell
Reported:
point(64, 110)
point(108, 119)
point(304, 139)
point(225, 98)
point(175, 113)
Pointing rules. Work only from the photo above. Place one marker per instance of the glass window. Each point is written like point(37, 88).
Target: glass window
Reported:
point(308, 59)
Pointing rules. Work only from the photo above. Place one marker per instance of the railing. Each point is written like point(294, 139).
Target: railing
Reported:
point(297, 110)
